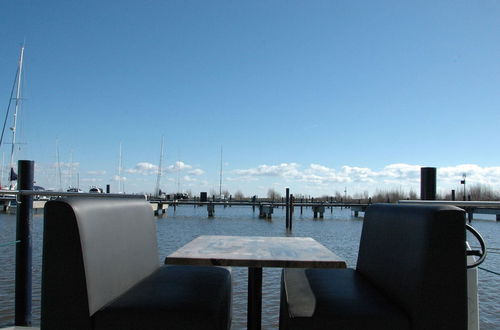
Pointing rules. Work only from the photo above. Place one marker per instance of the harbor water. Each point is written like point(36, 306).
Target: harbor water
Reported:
point(339, 231)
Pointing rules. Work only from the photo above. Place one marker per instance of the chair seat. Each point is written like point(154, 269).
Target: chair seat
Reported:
point(335, 299)
point(173, 297)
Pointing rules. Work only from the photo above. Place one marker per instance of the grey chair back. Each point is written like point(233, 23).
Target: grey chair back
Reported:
point(418, 260)
point(94, 249)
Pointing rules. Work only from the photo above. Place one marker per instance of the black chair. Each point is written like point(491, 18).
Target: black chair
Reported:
point(410, 274)
point(101, 270)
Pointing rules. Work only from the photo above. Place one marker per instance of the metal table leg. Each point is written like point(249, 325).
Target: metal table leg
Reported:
point(254, 311)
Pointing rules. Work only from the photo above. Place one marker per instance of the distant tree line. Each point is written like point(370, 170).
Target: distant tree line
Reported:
point(476, 192)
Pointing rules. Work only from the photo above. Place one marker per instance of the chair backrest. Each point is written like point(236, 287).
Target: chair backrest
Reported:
point(94, 249)
point(416, 256)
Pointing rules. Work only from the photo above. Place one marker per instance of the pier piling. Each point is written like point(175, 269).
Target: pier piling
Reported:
point(24, 217)
point(211, 209)
point(287, 211)
point(428, 183)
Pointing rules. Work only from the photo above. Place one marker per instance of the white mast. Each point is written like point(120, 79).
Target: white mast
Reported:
point(13, 128)
point(120, 188)
point(71, 169)
point(58, 165)
point(220, 180)
point(1, 175)
point(157, 187)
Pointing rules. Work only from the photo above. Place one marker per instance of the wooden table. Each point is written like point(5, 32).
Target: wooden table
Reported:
point(255, 252)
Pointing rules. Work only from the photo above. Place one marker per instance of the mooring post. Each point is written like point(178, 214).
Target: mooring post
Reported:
point(291, 211)
point(453, 194)
point(428, 183)
point(210, 209)
point(108, 189)
point(301, 205)
point(287, 210)
point(24, 219)
point(253, 203)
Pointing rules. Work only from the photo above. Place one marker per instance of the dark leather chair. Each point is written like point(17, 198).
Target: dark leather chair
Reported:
point(101, 270)
point(410, 274)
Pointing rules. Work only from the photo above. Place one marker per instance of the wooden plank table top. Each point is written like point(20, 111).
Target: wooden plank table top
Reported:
point(255, 251)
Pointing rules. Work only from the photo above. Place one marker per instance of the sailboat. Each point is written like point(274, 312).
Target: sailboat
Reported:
point(16, 90)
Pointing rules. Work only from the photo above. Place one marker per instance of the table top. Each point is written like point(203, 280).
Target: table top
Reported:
point(255, 251)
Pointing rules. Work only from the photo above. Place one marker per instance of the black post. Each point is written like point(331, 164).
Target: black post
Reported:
point(24, 218)
point(287, 211)
point(453, 194)
point(428, 183)
point(108, 189)
point(292, 200)
point(254, 302)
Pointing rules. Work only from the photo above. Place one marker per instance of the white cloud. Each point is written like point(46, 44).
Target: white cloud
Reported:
point(143, 168)
point(188, 178)
point(196, 171)
point(399, 174)
point(97, 172)
point(119, 178)
point(178, 166)
point(91, 180)
point(283, 170)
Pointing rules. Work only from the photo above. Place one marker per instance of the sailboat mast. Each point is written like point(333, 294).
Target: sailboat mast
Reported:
point(59, 174)
point(120, 189)
point(18, 103)
point(157, 188)
point(220, 179)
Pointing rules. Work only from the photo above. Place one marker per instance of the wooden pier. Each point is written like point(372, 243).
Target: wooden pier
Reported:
point(471, 207)
point(266, 207)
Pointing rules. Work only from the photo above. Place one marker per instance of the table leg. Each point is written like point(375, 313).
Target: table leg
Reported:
point(254, 311)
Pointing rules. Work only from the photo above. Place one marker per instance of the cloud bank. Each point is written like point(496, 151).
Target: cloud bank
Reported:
point(399, 174)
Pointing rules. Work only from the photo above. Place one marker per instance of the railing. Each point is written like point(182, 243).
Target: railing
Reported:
point(65, 194)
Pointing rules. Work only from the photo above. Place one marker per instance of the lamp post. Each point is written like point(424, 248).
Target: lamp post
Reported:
point(463, 182)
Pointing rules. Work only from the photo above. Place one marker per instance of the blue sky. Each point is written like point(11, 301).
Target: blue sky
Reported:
point(317, 96)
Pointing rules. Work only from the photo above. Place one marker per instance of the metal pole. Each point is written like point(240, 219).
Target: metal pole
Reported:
point(24, 218)
point(287, 211)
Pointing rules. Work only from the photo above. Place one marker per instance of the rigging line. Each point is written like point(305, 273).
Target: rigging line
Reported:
point(10, 243)
point(489, 271)
point(8, 107)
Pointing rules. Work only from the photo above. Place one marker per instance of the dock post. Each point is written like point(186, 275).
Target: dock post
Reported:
point(287, 211)
point(24, 219)
point(301, 205)
point(253, 203)
point(453, 194)
point(108, 189)
point(210, 209)
point(428, 183)
point(292, 199)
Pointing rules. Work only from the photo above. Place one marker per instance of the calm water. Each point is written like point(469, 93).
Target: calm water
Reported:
point(338, 231)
